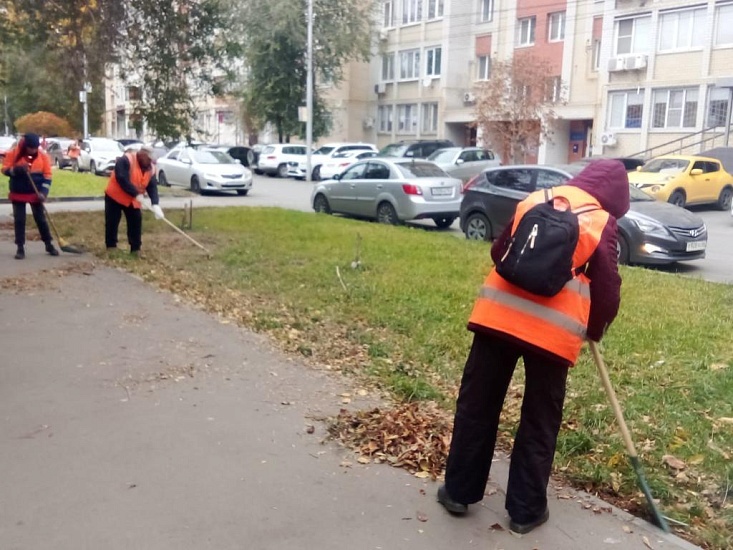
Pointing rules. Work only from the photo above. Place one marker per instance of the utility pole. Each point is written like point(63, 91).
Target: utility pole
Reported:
point(5, 112)
point(309, 96)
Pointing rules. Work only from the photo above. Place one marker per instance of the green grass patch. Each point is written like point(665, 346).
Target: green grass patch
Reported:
point(399, 320)
point(66, 183)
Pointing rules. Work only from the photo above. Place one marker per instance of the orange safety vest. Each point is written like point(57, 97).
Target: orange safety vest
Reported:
point(138, 178)
point(558, 323)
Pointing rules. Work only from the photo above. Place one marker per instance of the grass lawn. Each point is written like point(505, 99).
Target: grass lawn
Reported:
point(399, 321)
point(66, 183)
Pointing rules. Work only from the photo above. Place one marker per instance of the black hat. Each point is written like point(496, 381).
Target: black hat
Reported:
point(32, 141)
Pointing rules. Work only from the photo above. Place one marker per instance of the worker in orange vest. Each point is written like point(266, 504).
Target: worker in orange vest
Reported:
point(547, 332)
point(132, 177)
point(74, 152)
point(29, 169)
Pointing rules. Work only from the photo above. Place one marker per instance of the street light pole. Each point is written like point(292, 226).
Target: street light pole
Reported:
point(309, 96)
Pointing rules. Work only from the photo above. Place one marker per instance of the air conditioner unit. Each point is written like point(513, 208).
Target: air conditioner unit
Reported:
point(616, 64)
point(368, 123)
point(608, 139)
point(383, 35)
point(380, 88)
point(635, 62)
point(469, 97)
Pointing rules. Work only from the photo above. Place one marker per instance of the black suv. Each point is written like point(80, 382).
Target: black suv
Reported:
point(419, 149)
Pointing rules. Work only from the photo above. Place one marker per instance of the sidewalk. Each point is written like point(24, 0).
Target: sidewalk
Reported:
point(129, 420)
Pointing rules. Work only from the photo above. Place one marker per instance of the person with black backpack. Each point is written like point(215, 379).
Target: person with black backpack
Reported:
point(555, 284)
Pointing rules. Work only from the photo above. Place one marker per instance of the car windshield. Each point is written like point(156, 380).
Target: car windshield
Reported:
point(394, 150)
point(109, 146)
point(211, 157)
point(323, 150)
point(443, 155)
point(637, 195)
point(421, 170)
point(665, 166)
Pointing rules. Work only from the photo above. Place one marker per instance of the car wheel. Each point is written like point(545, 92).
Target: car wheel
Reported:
point(622, 250)
point(316, 174)
point(444, 223)
point(163, 180)
point(92, 167)
point(387, 214)
point(195, 185)
point(242, 192)
point(282, 171)
point(678, 199)
point(56, 163)
point(725, 198)
point(320, 204)
point(271, 174)
point(478, 228)
point(258, 171)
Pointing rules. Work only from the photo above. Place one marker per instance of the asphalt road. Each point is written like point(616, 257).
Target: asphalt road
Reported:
point(295, 195)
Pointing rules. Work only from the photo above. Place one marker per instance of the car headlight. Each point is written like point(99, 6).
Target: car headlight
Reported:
point(649, 226)
point(211, 176)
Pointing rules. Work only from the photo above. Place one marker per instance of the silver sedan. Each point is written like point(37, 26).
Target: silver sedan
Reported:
point(391, 191)
point(464, 162)
point(203, 170)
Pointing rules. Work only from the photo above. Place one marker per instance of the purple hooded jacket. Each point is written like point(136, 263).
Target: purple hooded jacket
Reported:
point(608, 182)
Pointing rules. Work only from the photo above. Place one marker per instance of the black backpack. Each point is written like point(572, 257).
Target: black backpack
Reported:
point(539, 258)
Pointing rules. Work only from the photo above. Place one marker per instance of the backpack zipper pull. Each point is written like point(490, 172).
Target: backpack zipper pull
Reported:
point(533, 234)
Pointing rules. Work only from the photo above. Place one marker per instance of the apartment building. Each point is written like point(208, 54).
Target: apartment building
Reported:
point(633, 73)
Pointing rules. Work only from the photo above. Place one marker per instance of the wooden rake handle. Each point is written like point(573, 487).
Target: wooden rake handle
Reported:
point(181, 231)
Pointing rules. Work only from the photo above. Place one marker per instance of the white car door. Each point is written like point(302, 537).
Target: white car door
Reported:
point(85, 156)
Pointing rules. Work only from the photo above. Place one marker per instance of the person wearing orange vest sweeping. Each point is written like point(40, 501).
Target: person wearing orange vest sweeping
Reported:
point(132, 177)
point(547, 331)
point(24, 163)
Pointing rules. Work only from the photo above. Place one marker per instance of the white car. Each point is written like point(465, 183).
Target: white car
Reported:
point(275, 158)
point(342, 161)
point(203, 170)
point(323, 155)
point(465, 162)
point(98, 155)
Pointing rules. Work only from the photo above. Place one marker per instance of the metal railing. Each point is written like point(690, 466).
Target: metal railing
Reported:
point(690, 144)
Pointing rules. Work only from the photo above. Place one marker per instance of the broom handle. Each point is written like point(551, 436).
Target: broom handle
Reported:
point(614, 401)
point(45, 210)
point(181, 231)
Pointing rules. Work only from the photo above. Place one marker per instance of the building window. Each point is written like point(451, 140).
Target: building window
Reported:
point(556, 27)
point(384, 118)
point(626, 109)
point(724, 25)
point(388, 67)
point(411, 11)
point(596, 61)
point(487, 10)
point(433, 60)
point(632, 35)
point(675, 108)
point(553, 89)
point(388, 13)
point(682, 30)
point(407, 118)
point(718, 107)
point(435, 8)
point(409, 64)
point(483, 66)
point(525, 31)
point(429, 118)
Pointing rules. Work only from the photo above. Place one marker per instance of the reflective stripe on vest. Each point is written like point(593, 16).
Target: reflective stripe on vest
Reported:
point(138, 178)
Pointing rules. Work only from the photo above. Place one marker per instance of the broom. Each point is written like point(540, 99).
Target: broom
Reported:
point(633, 457)
point(63, 245)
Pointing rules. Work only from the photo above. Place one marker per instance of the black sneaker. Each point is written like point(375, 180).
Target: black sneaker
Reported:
point(449, 504)
point(524, 528)
point(20, 253)
point(51, 249)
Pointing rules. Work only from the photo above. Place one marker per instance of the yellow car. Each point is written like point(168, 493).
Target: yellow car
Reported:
point(683, 180)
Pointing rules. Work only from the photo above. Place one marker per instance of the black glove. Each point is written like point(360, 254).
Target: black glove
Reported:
point(20, 169)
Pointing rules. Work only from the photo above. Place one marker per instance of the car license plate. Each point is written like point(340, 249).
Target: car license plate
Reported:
point(696, 245)
point(441, 191)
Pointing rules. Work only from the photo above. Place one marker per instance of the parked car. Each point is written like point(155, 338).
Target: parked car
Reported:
point(203, 170)
point(652, 232)
point(341, 161)
point(420, 149)
point(274, 159)
point(126, 142)
point(684, 180)
point(57, 150)
point(464, 162)
point(98, 155)
point(322, 155)
point(630, 163)
point(391, 191)
point(6, 144)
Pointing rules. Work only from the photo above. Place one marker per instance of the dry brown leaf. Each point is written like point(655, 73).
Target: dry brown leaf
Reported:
point(674, 462)
point(496, 527)
point(647, 543)
point(363, 460)
point(627, 529)
point(421, 516)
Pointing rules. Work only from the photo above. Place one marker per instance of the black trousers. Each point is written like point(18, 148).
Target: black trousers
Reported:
point(113, 211)
point(38, 215)
point(486, 378)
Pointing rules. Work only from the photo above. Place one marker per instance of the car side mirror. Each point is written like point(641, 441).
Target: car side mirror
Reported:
point(337, 177)
point(460, 161)
point(696, 172)
point(186, 161)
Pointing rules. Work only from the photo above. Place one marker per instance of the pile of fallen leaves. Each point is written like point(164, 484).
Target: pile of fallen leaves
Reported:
point(414, 436)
